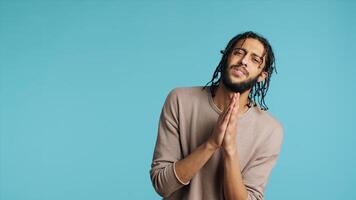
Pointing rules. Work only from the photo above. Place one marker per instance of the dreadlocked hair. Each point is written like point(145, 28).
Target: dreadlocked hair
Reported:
point(259, 90)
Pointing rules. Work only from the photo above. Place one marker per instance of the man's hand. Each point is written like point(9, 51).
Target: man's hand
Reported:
point(230, 137)
point(217, 138)
point(187, 167)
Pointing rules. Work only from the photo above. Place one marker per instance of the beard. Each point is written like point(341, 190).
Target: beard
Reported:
point(236, 87)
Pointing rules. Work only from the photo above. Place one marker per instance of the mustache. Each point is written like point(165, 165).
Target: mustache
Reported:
point(239, 67)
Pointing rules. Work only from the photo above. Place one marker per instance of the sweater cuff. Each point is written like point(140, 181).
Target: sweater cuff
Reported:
point(175, 174)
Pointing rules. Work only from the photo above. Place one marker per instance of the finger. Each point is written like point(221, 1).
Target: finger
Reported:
point(226, 110)
point(235, 109)
point(237, 100)
point(229, 113)
point(230, 103)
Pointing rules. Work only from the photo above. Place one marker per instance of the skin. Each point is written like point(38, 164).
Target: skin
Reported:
point(248, 55)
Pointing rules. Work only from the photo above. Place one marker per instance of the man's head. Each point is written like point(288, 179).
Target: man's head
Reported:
point(246, 65)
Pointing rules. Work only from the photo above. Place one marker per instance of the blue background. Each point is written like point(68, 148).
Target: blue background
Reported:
point(83, 83)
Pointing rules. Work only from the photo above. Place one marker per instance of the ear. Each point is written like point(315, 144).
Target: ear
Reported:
point(262, 76)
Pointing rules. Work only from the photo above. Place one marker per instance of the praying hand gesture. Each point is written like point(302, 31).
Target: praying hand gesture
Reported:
point(225, 131)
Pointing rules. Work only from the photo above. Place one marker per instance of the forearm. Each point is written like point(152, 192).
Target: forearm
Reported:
point(190, 165)
point(233, 184)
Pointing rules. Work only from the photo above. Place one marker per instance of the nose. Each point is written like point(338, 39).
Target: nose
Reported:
point(244, 60)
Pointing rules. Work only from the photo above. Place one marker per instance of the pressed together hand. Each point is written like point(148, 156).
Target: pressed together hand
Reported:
point(225, 130)
point(224, 135)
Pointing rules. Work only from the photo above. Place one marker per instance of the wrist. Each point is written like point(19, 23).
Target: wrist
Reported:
point(210, 145)
point(230, 152)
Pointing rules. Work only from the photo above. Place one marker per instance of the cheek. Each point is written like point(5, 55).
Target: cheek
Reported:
point(252, 73)
point(232, 60)
point(229, 61)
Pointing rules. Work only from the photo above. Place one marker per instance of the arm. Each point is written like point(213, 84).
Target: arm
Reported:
point(256, 174)
point(169, 170)
point(189, 166)
point(250, 184)
point(167, 149)
point(234, 187)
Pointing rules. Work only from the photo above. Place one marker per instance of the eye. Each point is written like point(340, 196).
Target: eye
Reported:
point(257, 60)
point(238, 52)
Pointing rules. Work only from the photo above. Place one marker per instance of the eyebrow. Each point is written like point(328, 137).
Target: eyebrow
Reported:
point(243, 49)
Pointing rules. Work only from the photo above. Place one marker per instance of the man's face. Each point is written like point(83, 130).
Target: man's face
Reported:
point(244, 66)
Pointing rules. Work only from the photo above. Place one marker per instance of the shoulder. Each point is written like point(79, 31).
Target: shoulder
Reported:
point(273, 126)
point(184, 91)
point(185, 95)
point(267, 119)
point(190, 93)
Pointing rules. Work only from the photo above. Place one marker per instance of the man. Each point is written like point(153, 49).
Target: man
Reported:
point(218, 141)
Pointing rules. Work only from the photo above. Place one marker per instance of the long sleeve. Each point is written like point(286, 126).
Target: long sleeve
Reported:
point(258, 171)
point(187, 119)
point(167, 150)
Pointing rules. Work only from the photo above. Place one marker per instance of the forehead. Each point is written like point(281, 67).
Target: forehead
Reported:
point(251, 45)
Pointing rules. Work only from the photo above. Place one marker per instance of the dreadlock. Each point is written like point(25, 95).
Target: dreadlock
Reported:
point(259, 90)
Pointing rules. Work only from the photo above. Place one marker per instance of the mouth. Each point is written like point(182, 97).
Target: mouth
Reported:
point(239, 72)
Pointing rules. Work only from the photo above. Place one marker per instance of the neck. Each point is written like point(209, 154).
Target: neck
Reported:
point(222, 99)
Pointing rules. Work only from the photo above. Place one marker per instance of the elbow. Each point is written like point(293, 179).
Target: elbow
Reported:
point(161, 191)
point(158, 185)
point(254, 196)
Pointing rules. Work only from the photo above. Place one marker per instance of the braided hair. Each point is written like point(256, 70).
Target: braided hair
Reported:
point(259, 90)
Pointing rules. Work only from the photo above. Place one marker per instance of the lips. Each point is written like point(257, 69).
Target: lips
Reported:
point(238, 72)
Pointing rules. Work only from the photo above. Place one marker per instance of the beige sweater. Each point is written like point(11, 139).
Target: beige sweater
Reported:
point(187, 120)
